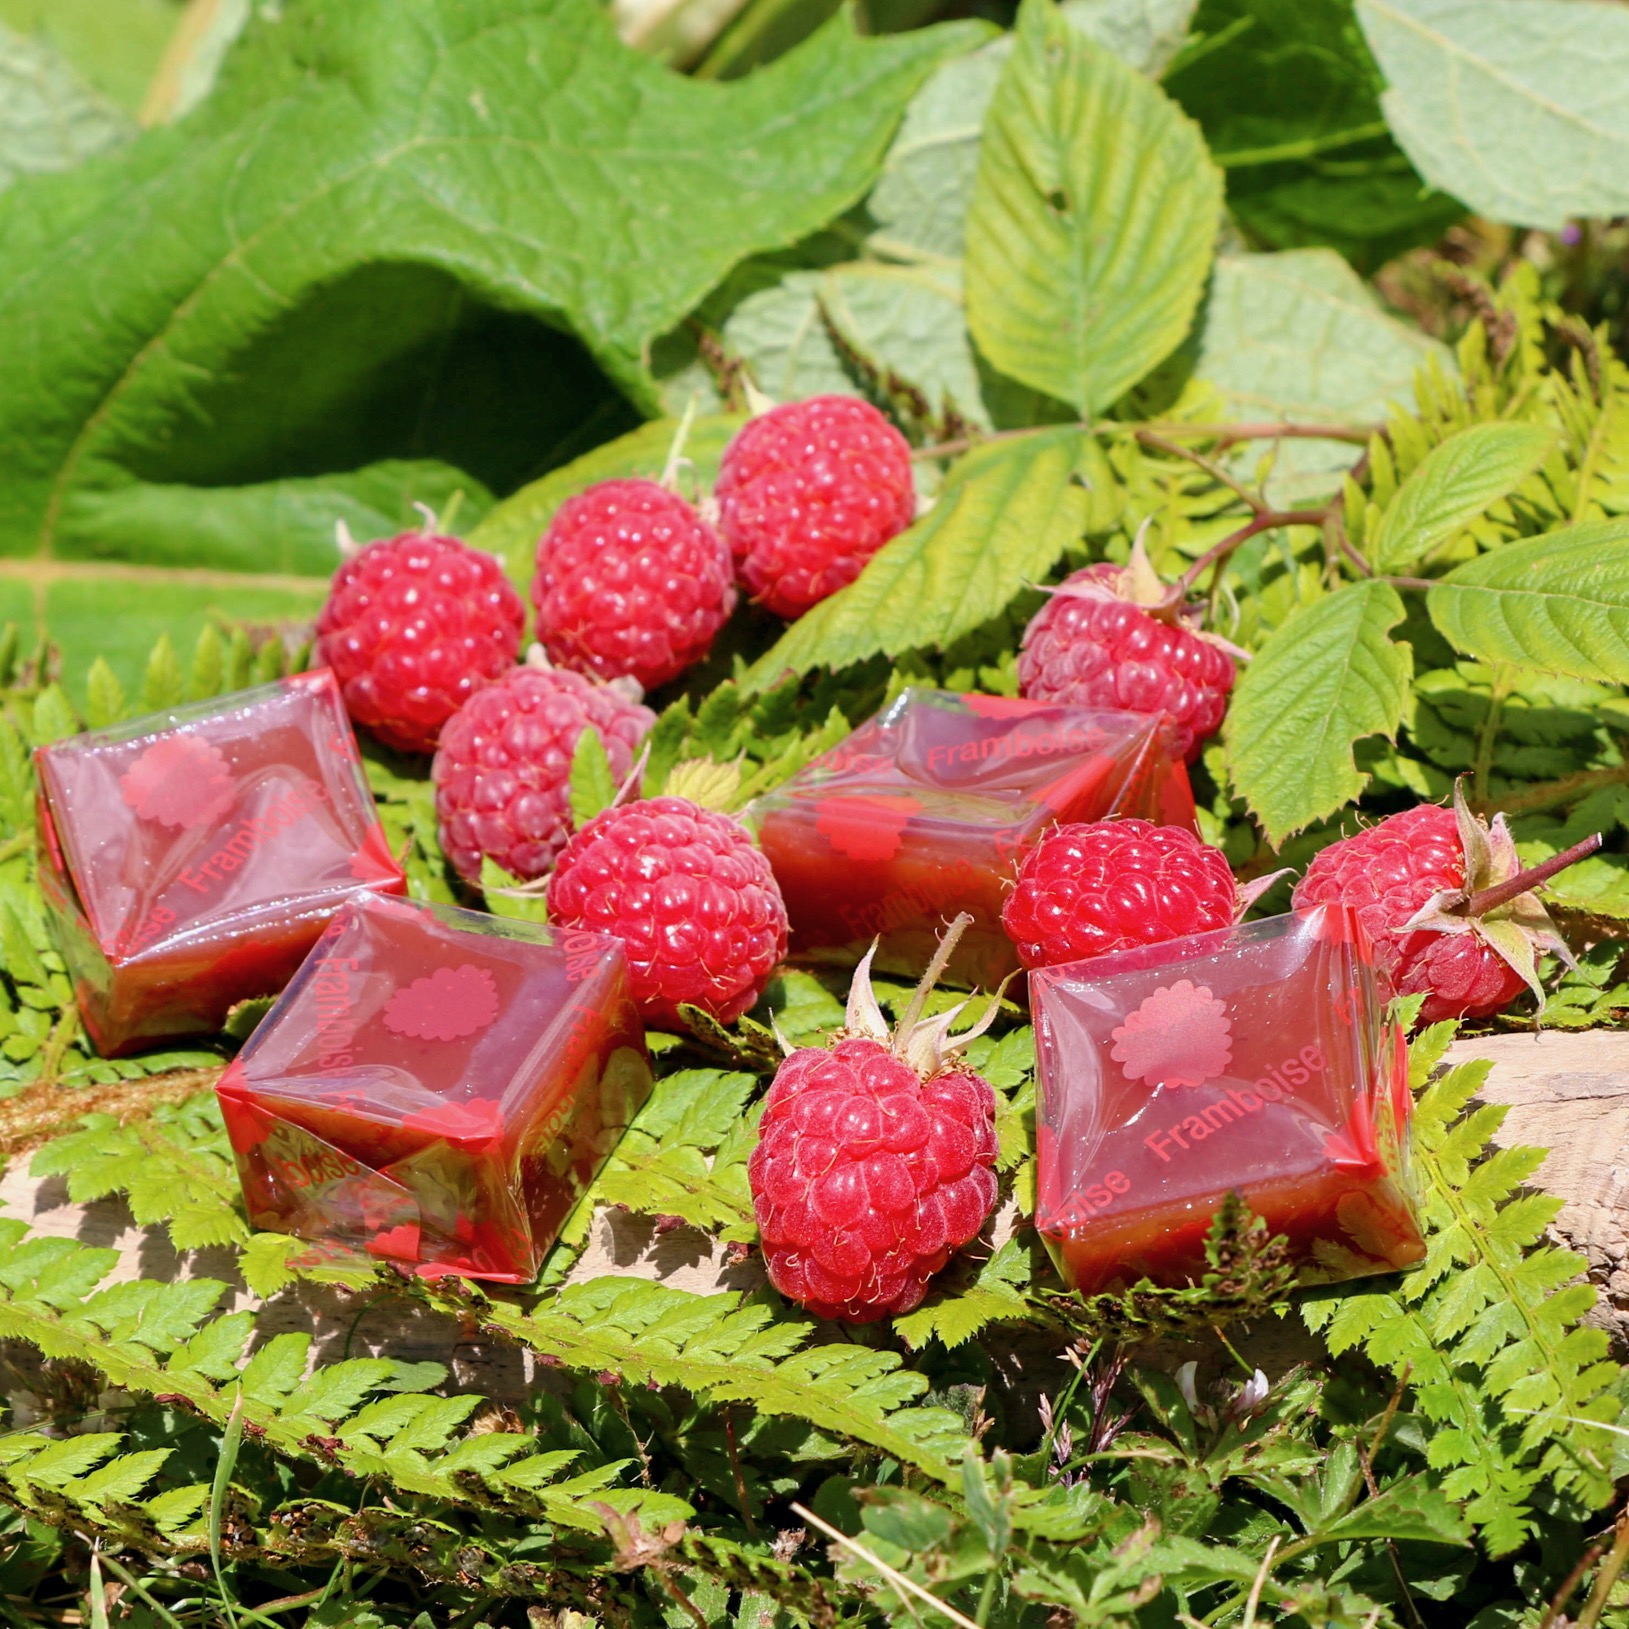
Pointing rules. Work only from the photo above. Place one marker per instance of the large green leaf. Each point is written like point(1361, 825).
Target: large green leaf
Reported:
point(1559, 603)
point(1006, 513)
point(1092, 222)
point(512, 529)
point(1456, 483)
point(1516, 106)
point(1298, 335)
point(1327, 678)
point(376, 241)
point(920, 201)
point(49, 117)
point(1289, 100)
point(906, 327)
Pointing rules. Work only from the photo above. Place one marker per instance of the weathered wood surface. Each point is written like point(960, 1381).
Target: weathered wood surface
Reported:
point(1566, 1092)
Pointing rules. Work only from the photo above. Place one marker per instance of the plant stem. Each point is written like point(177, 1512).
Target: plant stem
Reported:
point(1549, 794)
point(1148, 438)
point(1488, 734)
point(1607, 1577)
point(1265, 521)
point(1564, 1591)
point(1224, 435)
point(1490, 899)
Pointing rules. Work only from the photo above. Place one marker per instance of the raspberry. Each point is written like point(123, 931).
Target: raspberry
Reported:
point(412, 628)
point(631, 582)
point(503, 771)
point(691, 898)
point(875, 1160)
point(807, 493)
point(1092, 647)
point(1087, 890)
point(1426, 885)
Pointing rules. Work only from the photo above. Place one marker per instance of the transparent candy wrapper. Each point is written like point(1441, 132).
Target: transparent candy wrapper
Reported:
point(1256, 1059)
point(927, 810)
point(437, 1087)
point(190, 859)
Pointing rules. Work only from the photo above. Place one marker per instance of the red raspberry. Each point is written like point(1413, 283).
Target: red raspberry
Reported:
point(1087, 890)
point(689, 895)
point(631, 582)
point(1427, 884)
point(503, 771)
point(1099, 649)
point(412, 628)
point(807, 493)
point(875, 1160)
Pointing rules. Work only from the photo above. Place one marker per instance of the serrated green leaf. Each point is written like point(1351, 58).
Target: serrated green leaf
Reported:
point(1299, 336)
point(161, 685)
point(1457, 482)
point(1092, 222)
point(1559, 603)
point(907, 329)
point(781, 337)
point(496, 886)
point(420, 266)
point(1326, 679)
point(592, 784)
point(104, 696)
point(54, 718)
point(1509, 105)
point(1005, 514)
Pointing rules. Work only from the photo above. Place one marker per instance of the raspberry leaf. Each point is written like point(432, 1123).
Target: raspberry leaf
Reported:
point(1457, 482)
point(1329, 677)
point(1093, 218)
point(592, 784)
point(1486, 101)
point(409, 202)
point(1006, 513)
point(1559, 602)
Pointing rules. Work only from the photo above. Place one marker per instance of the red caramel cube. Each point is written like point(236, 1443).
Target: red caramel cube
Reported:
point(1254, 1059)
point(437, 1087)
point(926, 811)
point(189, 860)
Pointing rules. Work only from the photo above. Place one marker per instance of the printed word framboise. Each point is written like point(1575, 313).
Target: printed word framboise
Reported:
point(190, 860)
point(925, 811)
point(1254, 1060)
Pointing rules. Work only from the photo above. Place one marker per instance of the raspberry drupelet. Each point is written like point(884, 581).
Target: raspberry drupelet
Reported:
point(631, 582)
point(1443, 896)
point(1107, 885)
point(1092, 646)
point(690, 896)
point(807, 493)
point(413, 627)
point(876, 1158)
point(503, 771)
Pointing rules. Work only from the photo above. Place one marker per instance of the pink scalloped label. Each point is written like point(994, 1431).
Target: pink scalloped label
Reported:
point(865, 828)
point(181, 781)
point(445, 1005)
point(1181, 1035)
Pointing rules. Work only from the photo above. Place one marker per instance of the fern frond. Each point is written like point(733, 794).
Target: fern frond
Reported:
point(1487, 1328)
point(722, 1350)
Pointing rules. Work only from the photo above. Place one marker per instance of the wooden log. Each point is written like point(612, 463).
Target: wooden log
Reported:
point(1568, 1092)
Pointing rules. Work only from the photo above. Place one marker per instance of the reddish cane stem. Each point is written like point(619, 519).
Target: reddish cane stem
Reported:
point(1490, 899)
point(1262, 523)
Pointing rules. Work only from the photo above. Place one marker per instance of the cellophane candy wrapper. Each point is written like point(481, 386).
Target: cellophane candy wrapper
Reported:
point(1256, 1059)
point(437, 1087)
point(190, 859)
point(926, 811)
